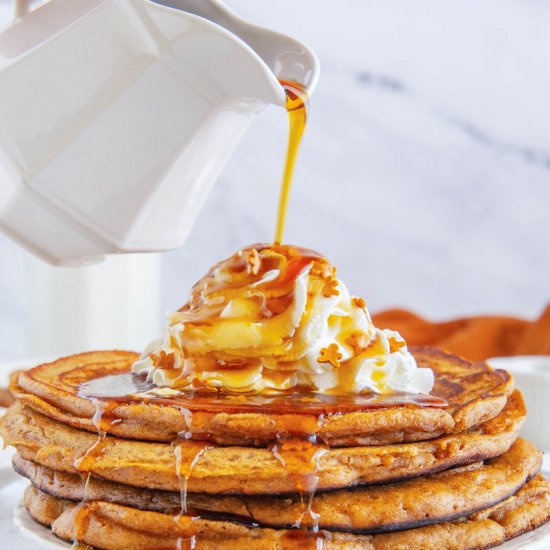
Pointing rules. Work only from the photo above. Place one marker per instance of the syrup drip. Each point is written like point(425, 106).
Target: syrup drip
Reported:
point(189, 540)
point(82, 521)
point(185, 463)
point(103, 418)
point(186, 543)
point(186, 460)
point(296, 105)
point(300, 459)
point(303, 540)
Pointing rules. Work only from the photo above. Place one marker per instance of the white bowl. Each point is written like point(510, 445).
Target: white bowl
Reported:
point(532, 375)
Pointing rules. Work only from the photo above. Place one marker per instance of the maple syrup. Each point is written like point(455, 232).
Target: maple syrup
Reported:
point(81, 523)
point(186, 459)
point(300, 459)
point(102, 419)
point(297, 449)
point(296, 106)
point(134, 390)
point(188, 541)
point(300, 539)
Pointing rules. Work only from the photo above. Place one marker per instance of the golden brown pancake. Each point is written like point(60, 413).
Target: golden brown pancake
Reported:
point(111, 526)
point(474, 392)
point(242, 470)
point(441, 497)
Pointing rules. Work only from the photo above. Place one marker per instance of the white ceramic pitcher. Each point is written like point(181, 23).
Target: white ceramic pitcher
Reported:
point(116, 117)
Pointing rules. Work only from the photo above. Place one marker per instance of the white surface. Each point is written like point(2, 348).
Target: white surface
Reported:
point(424, 170)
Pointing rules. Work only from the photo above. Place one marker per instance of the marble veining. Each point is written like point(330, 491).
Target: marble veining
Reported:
point(425, 168)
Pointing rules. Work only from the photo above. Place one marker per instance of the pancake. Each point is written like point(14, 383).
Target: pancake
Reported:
point(239, 470)
point(441, 497)
point(111, 526)
point(474, 392)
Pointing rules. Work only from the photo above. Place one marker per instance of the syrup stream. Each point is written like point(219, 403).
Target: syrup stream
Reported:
point(296, 105)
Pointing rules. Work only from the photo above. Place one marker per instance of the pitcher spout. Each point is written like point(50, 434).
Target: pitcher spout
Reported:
point(286, 58)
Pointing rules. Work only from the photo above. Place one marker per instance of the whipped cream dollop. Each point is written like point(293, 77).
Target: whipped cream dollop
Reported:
point(273, 318)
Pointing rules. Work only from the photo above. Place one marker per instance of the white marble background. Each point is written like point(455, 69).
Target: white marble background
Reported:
point(425, 169)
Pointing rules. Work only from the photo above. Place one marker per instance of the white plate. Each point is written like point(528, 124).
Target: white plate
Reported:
point(41, 535)
point(532, 376)
point(539, 539)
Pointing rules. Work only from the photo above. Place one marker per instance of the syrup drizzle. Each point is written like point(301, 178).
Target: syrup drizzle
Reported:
point(102, 419)
point(296, 106)
point(296, 448)
point(300, 459)
point(186, 460)
point(82, 521)
point(133, 389)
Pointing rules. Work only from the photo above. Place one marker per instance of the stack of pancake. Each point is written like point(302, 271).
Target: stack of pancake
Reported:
point(148, 472)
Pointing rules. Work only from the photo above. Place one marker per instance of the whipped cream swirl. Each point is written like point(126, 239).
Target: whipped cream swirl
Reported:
point(272, 318)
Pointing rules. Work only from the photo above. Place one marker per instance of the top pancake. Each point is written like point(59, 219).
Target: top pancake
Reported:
point(474, 392)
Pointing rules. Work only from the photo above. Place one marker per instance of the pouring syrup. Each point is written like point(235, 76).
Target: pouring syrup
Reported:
point(296, 106)
point(298, 452)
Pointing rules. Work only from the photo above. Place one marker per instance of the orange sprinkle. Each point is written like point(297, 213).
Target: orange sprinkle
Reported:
point(330, 287)
point(163, 360)
point(254, 261)
point(358, 341)
point(359, 302)
point(330, 355)
point(322, 270)
point(395, 345)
